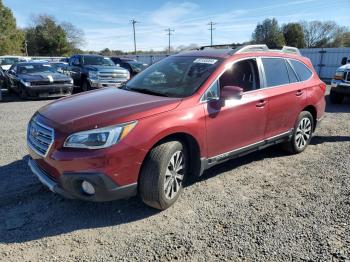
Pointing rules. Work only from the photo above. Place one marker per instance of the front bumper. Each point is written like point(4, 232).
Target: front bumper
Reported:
point(49, 90)
point(97, 83)
point(340, 86)
point(69, 185)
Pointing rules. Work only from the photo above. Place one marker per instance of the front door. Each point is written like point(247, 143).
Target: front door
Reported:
point(236, 123)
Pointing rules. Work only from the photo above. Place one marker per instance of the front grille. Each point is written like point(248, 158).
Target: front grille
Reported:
point(39, 137)
point(347, 76)
point(43, 83)
point(112, 76)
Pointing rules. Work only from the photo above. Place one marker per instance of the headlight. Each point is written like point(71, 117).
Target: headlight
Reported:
point(93, 74)
point(25, 83)
point(99, 138)
point(71, 81)
point(339, 75)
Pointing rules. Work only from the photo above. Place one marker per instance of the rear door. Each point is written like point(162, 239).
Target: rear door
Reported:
point(286, 95)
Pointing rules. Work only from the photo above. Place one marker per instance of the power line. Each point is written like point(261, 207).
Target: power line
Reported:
point(169, 30)
point(133, 21)
point(211, 31)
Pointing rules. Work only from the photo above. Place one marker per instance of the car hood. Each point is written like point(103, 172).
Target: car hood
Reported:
point(344, 67)
point(103, 107)
point(43, 77)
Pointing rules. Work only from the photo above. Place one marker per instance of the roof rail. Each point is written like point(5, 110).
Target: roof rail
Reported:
point(251, 48)
point(291, 50)
point(227, 46)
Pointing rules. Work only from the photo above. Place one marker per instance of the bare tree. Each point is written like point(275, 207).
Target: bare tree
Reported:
point(322, 34)
point(75, 36)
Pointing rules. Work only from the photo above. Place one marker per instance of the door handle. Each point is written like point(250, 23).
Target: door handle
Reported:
point(299, 93)
point(261, 103)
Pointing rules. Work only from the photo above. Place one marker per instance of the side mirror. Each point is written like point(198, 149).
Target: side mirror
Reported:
point(229, 92)
point(344, 60)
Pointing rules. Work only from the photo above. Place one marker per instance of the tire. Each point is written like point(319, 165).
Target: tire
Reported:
point(336, 98)
point(23, 93)
point(302, 133)
point(159, 187)
point(8, 87)
point(85, 86)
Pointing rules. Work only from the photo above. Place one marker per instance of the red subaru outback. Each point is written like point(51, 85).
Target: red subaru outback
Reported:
point(175, 119)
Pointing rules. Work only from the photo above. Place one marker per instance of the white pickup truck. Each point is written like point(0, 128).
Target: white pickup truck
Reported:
point(340, 85)
point(7, 61)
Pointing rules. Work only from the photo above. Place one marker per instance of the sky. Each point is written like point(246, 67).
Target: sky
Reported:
point(106, 23)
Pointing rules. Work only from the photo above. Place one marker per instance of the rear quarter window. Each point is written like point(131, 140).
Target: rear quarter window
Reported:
point(301, 69)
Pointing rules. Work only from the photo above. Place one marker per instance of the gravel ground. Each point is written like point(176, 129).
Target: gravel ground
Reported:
point(265, 206)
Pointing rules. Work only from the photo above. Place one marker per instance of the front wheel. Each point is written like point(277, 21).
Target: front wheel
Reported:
point(302, 133)
point(23, 93)
point(162, 175)
point(86, 86)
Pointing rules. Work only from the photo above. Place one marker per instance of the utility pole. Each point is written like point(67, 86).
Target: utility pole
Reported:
point(169, 34)
point(133, 21)
point(211, 31)
point(26, 46)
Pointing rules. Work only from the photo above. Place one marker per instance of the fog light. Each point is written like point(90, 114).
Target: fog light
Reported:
point(88, 188)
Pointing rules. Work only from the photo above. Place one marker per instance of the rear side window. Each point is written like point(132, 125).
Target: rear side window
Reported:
point(302, 70)
point(275, 71)
point(292, 76)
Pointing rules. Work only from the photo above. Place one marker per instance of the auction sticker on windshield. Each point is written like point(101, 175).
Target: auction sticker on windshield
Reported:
point(205, 61)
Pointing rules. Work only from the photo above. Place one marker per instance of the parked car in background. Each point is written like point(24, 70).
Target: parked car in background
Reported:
point(61, 67)
point(37, 79)
point(340, 85)
point(180, 116)
point(95, 71)
point(2, 81)
point(7, 61)
point(134, 67)
point(64, 60)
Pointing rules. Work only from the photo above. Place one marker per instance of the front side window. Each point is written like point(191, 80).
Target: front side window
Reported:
point(243, 74)
point(301, 69)
point(213, 92)
point(275, 72)
point(175, 76)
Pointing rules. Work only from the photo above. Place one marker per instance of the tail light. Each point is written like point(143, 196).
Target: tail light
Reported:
point(323, 87)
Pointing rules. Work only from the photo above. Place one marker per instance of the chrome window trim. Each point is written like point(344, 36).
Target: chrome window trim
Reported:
point(50, 145)
point(262, 76)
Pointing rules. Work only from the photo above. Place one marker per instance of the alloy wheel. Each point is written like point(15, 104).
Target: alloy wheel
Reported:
point(174, 175)
point(303, 133)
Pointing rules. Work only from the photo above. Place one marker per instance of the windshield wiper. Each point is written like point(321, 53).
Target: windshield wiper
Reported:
point(147, 91)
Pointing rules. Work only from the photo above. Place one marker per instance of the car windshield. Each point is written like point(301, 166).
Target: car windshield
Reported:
point(8, 60)
point(97, 60)
point(35, 68)
point(137, 66)
point(175, 76)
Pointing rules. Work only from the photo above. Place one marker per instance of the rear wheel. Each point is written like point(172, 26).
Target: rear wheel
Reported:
point(302, 133)
point(336, 98)
point(163, 174)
